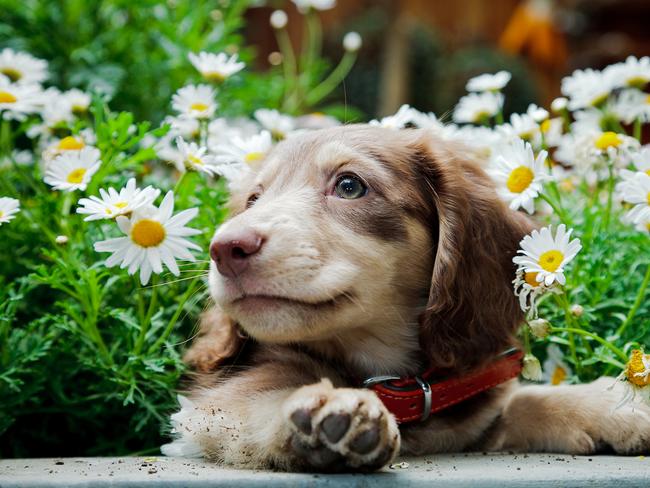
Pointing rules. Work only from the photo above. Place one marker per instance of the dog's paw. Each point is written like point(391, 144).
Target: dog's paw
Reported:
point(336, 429)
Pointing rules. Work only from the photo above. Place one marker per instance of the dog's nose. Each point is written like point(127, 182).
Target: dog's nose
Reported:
point(232, 250)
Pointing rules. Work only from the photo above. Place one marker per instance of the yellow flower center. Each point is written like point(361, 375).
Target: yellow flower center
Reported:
point(545, 126)
point(2, 214)
point(648, 197)
point(253, 156)
point(647, 99)
point(79, 109)
point(567, 185)
point(526, 136)
point(530, 277)
point(76, 176)
point(121, 204)
point(637, 81)
point(6, 97)
point(481, 116)
point(11, 73)
point(636, 371)
point(70, 144)
point(647, 171)
point(599, 99)
point(520, 178)
point(195, 161)
point(608, 139)
point(214, 76)
point(147, 233)
point(558, 376)
point(551, 260)
point(199, 107)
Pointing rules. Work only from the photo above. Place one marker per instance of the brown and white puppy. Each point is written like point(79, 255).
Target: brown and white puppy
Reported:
point(359, 251)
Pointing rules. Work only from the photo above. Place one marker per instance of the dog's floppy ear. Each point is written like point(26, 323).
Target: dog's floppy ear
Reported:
point(472, 313)
point(219, 338)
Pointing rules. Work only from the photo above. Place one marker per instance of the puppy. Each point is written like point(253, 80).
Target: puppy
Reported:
point(355, 252)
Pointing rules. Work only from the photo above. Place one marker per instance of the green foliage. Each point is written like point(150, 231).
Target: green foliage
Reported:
point(84, 358)
point(135, 52)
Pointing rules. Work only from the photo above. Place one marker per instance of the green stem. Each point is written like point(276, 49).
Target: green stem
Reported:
point(5, 137)
point(289, 66)
point(637, 303)
point(610, 194)
point(333, 80)
point(172, 322)
point(557, 209)
point(314, 43)
point(144, 327)
point(498, 118)
point(572, 330)
point(637, 129)
point(564, 303)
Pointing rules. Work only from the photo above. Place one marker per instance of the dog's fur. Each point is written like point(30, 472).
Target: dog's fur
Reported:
point(416, 273)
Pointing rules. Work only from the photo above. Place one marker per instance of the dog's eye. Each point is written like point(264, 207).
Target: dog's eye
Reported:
point(252, 199)
point(350, 187)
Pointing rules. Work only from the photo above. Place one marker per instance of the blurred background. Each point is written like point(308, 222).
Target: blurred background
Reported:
point(419, 52)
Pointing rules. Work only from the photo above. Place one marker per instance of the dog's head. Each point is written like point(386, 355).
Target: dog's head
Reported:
point(359, 231)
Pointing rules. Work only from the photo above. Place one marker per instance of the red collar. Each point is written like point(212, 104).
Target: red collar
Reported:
point(415, 398)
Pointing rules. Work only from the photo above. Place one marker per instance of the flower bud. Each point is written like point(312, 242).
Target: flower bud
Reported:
point(279, 19)
point(352, 42)
point(531, 370)
point(559, 104)
point(577, 310)
point(61, 240)
point(540, 328)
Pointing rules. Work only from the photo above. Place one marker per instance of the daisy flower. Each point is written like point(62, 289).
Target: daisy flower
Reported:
point(77, 100)
point(637, 192)
point(195, 157)
point(547, 255)
point(65, 145)
point(22, 68)
point(538, 114)
point(279, 125)
point(153, 237)
point(632, 72)
point(407, 116)
point(587, 88)
point(522, 126)
point(630, 105)
point(477, 108)
point(555, 370)
point(73, 170)
point(528, 290)
point(519, 174)
point(216, 67)
point(184, 126)
point(643, 225)
point(8, 208)
point(559, 104)
point(249, 150)
point(112, 203)
point(195, 101)
point(306, 5)
point(17, 101)
point(488, 82)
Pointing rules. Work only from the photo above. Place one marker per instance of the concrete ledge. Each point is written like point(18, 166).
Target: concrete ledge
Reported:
point(474, 470)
